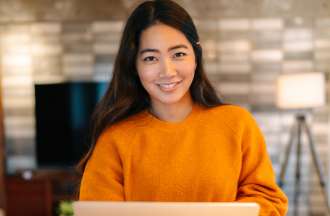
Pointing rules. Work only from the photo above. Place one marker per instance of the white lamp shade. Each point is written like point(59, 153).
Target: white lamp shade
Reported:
point(300, 91)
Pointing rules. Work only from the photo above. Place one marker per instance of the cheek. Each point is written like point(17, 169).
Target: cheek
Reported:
point(147, 74)
point(187, 69)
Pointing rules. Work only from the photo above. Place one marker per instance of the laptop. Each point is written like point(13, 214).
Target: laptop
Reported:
point(91, 208)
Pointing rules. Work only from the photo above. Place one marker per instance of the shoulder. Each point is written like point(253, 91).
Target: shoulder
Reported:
point(235, 117)
point(233, 113)
point(117, 137)
point(125, 127)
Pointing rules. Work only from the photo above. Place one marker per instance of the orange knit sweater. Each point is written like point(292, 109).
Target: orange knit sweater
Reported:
point(214, 154)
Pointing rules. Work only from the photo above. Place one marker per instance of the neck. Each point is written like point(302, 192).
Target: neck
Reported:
point(172, 112)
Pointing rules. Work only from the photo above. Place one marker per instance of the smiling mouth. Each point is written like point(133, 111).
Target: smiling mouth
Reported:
point(168, 86)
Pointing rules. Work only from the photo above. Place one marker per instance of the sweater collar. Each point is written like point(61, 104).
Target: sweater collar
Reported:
point(162, 124)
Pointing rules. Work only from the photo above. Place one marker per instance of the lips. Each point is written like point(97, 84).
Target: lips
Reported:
point(168, 86)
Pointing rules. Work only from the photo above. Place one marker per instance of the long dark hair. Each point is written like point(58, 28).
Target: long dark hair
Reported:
point(125, 95)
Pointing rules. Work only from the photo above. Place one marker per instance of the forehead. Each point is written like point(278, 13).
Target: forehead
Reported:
point(162, 36)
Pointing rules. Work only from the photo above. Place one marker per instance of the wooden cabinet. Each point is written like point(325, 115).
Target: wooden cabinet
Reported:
point(28, 197)
point(40, 193)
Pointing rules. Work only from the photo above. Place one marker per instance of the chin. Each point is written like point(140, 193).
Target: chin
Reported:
point(170, 99)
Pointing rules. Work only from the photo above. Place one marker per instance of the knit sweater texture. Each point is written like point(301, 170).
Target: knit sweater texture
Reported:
point(213, 155)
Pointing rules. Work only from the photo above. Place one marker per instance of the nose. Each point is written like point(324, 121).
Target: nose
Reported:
point(168, 68)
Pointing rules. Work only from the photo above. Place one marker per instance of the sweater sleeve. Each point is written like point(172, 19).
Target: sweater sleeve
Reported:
point(103, 175)
point(257, 179)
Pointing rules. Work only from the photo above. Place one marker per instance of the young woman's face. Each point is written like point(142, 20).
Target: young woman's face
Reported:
point(165, 64)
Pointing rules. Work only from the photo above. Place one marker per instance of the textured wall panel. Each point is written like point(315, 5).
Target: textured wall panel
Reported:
point(243, 55)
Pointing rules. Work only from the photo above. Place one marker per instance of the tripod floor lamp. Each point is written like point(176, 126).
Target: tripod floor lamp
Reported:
point(301, 92)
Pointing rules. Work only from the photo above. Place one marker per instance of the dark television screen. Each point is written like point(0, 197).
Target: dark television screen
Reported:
point(63, 112)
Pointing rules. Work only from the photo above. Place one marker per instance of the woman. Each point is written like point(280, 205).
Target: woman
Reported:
point(162, 134)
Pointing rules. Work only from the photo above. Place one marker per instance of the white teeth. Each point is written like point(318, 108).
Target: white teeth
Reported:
point(168, 86)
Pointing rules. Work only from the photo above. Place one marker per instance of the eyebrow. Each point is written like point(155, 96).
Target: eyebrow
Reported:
point(169, 49)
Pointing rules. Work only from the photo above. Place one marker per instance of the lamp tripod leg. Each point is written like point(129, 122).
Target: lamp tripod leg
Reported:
point(318, 166)
point(297, 170)
point(288, 149)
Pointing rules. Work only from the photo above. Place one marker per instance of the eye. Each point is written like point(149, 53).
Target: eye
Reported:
point(179, 54)
point(149, 59)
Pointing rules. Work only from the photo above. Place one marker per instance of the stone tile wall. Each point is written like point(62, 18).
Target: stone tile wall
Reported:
point(242, 55)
